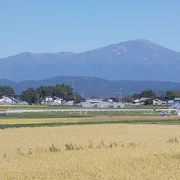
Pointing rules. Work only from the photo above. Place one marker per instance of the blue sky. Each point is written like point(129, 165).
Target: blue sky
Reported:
point(78, 25)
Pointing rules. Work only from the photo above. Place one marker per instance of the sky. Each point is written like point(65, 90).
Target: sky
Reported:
point(40, 26)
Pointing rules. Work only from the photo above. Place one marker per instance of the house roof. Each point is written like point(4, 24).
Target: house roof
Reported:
point(144, 99)
point(176, 99)
point(157, 100)
point(161, 98)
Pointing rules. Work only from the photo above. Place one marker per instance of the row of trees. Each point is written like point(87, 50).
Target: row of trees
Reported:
point(37, 95)
point(6, 91)
point(169, 95)
point(62, 91)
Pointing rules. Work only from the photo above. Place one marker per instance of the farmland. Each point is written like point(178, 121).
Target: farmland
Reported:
point(125, 145)
point(52, 119)
point(104, 151)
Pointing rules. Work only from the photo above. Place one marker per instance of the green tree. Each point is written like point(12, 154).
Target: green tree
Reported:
point(128, 99)
point(176, 93)
point(62, 91)
point(45, 91)
point(6, 91)
point(148, 94)
point(30, 96)
point(77, 98)
point(170, 95)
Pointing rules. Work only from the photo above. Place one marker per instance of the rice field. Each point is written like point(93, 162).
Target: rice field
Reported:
point(31, 107)
point(51, 115)
point(103, 151)
point(10, 122)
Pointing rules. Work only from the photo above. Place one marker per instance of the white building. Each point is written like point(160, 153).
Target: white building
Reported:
point(178, 113)
point(102, 105)
point(177, 101)
point(86, 105)
point(175, 106)
point(48, 99)
point(68, 103)
point(116, 105)
point(52, 101)
point(170, 102)
point(157, 102)
point(137, 102)
point(58, 101)
point(8, 100)
point(94, 100)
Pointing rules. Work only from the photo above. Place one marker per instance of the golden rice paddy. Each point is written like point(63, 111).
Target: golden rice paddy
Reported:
point(87, 119)
point(111, 151)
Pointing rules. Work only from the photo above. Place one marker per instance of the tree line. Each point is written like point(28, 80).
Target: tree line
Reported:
point(150, 94)
point(33, 96)
point(65, 92)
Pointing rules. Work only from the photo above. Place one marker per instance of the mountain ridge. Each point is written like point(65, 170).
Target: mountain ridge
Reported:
point(92, 86)
point(130, 60)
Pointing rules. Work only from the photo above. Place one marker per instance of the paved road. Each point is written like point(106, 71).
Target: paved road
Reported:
point(74, 110)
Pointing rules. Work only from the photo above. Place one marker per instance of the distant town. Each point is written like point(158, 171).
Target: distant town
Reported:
point(63, 95)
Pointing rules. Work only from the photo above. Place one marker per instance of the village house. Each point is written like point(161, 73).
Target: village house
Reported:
point(94, 100)
point(7, 100)
point(68, 103)
point(86, 105)
point(52, 101)
point(177, 101)
point(116, 105)
point(48, 99)
point(4, 100)
point(170, 102)
point(57, 101)
point(157, 102)
point(143, 100)
point(136, 102)
point(102, 105)
point(178, 113)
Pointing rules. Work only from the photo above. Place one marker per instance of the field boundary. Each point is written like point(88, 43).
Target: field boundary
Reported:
point(56, 124)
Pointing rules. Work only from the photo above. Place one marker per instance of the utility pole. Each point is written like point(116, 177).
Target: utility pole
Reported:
point(117, 96)
point(121, 93)
point(157, 93)
point(73, 86)
point(83, 94)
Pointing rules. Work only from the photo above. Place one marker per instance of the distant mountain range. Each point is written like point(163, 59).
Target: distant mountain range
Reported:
point(91, 86)
point(131, 60)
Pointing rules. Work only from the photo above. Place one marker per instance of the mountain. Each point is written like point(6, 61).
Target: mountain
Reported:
point(92, 86)
point(130, 60)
